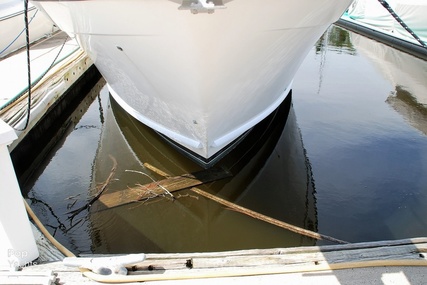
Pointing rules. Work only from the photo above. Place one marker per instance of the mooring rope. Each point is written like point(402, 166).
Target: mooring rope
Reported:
point(30, 83)
point(400, 21)
point(27, 46)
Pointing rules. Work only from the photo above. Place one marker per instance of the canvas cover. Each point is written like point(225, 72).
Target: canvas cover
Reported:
point(412, 12)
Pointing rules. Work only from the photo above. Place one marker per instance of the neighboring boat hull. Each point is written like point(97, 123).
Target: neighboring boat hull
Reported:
point(12, 26)
point(372, 14)
point(201, 80)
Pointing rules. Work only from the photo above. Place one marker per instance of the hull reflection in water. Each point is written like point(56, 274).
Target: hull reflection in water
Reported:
point(407, 74)
point(271, 175)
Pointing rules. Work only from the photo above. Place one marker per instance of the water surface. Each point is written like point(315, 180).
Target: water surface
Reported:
point(347, 159)
point(362, 109)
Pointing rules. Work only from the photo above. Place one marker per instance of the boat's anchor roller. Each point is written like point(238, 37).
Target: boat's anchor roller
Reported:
point(105, 265)
point(201, 6)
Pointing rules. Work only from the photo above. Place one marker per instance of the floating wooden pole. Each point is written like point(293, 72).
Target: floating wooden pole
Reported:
point(265, 218)
point(165, 186)
point(256, 215)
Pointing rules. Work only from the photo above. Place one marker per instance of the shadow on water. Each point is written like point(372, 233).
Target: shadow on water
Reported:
point(271, 175)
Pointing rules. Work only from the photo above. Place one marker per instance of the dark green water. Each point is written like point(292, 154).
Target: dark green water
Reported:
point(362, 110)
point(348, 159)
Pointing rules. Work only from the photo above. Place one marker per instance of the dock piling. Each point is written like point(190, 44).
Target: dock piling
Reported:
point(17, 243)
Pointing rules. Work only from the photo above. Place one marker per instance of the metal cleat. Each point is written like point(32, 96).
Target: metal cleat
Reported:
point(105, 265)
point(201, 6)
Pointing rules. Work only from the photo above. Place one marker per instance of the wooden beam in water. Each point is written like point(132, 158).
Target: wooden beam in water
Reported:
point(162, 187)
point(254, 214)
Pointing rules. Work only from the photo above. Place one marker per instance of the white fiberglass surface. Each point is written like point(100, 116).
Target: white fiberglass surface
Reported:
point(205, 76)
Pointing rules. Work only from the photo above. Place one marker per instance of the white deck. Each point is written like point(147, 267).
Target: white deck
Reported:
point(13, 69)
point(68, 62)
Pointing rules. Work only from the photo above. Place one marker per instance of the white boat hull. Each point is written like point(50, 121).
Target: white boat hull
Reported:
point(201, 79)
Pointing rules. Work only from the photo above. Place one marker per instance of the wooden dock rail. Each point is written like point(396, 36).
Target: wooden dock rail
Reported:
point(370, 262)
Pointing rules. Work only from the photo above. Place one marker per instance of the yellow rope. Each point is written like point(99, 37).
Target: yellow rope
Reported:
point(39, 224)
point(253, 271)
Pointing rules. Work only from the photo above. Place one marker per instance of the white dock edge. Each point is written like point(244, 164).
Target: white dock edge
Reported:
point(17, 246)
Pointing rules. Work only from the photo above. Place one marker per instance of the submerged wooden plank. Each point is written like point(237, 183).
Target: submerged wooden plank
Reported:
point(253, 214)
point(162, 187)
point(388, 253)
